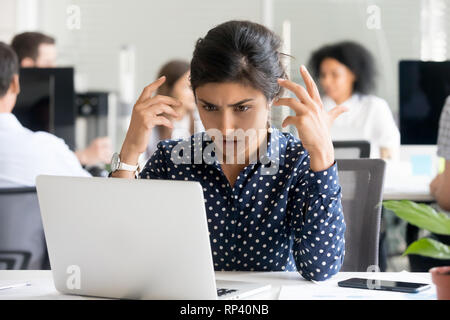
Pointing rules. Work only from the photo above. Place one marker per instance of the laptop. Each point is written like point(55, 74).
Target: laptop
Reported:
point(131, 239)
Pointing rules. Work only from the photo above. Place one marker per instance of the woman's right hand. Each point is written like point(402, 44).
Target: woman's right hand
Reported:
point(147, 113)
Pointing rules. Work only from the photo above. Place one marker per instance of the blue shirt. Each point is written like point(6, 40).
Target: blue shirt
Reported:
point(285, 220)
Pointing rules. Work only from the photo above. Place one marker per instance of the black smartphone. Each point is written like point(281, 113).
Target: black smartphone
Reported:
point(373, 284)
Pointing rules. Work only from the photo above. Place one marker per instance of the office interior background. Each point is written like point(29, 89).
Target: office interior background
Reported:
point(117, 47)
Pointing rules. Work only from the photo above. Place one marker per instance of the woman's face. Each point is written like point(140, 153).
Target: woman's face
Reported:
point(183, 92)
point(336, 80)
point(228, 107)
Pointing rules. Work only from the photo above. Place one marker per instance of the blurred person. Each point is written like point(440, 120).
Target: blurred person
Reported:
point(440, 186)
point(25, 154)
point(177, 85)
point(37, 50)
point(346, 72)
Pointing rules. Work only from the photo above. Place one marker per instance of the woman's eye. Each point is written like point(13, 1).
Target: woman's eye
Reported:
point(209, 108)
point(242, 108)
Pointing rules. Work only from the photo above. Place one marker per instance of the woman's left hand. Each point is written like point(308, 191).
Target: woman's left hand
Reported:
point(312, 121)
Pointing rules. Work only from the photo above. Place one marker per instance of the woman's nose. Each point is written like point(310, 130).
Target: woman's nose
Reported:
point(325, 81)
point(226, 123)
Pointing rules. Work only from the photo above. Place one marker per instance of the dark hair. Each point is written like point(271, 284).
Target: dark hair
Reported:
point(173, 70)
point(9, 66)
point(239, 51)
point(354, 56)
point(26, 44)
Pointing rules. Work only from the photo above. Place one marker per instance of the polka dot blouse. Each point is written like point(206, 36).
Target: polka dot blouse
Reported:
point(284, 221)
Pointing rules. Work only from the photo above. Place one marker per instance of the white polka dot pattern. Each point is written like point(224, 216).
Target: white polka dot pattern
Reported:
point(288, 221)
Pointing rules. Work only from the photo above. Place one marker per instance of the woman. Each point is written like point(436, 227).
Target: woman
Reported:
point(177, 85)
point(346, 71)
point(288, 220)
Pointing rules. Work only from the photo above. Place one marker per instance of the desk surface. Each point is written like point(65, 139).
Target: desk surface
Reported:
point(405, 194)
point(284, 285)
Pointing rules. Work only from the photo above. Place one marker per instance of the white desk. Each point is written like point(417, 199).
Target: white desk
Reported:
point(405, 193)
point(285, 285)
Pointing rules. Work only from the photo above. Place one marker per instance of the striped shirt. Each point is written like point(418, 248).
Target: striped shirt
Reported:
point(444, 132)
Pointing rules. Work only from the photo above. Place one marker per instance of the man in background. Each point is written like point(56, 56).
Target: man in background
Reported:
point(25, 154)
point(440, 186)
point(37, 50)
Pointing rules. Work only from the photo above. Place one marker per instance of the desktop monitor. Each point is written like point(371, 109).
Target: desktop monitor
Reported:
point(47, 102)
point(424, 87)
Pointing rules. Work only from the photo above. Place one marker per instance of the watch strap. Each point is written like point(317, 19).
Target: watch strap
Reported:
point(127, 167)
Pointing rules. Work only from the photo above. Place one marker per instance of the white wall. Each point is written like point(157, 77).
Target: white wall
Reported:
point(7, 20)
point(159, 30)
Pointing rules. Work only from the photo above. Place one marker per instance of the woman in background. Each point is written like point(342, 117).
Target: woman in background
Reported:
point(177, 85)
point(346, 72)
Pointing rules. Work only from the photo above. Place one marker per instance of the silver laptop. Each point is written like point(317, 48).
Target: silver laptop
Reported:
point(131, 239)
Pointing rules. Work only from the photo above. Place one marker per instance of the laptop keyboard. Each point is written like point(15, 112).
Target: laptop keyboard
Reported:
point(221, 292)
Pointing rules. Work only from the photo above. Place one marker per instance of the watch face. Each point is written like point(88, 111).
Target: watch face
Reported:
point(115, 162)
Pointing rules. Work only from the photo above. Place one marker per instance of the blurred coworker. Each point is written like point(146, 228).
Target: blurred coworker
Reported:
point(25, 154)
point(177, 85)
point(346, 71)
point(37, 50)
point(440, 186)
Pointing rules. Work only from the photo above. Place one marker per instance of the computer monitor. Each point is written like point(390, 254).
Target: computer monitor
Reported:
point(424, 87)
point(47, 102)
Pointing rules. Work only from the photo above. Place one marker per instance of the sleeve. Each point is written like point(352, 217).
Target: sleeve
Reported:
point(318, 225)
point(57, 157)
point(156, 166)
point(385, 130)
point(444, 132)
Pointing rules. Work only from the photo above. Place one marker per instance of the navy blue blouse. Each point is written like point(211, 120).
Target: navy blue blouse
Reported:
point(285, 219)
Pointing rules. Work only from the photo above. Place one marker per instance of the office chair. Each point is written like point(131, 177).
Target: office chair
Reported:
point(22, 241)
point(351, 149)
point(361, 181)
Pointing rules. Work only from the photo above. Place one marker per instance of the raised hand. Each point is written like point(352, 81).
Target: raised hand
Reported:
point(312, 121)
point(147, 112)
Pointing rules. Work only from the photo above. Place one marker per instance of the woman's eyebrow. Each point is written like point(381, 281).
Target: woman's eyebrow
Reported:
point(208, 103)
point(239, 102)
point(230, 105)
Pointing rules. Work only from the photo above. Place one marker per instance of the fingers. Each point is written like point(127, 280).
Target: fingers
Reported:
point(310, 85)
point(162, 108)
point(163, 121)
point(336, 112)
point(289, 121)
point(293, 103)
point(159, 99)
point(103, 141)
point(148, 90)
point(298, 90)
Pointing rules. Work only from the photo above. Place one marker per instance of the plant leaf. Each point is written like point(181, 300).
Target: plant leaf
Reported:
point(420, 215)
point(429, 248)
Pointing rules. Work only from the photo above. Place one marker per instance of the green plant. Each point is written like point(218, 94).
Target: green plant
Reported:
point(425, 217)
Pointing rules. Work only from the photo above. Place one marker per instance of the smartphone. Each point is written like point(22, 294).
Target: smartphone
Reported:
point(373, 284)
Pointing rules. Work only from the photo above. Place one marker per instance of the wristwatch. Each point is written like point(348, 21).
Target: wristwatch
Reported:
point(116, 164)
